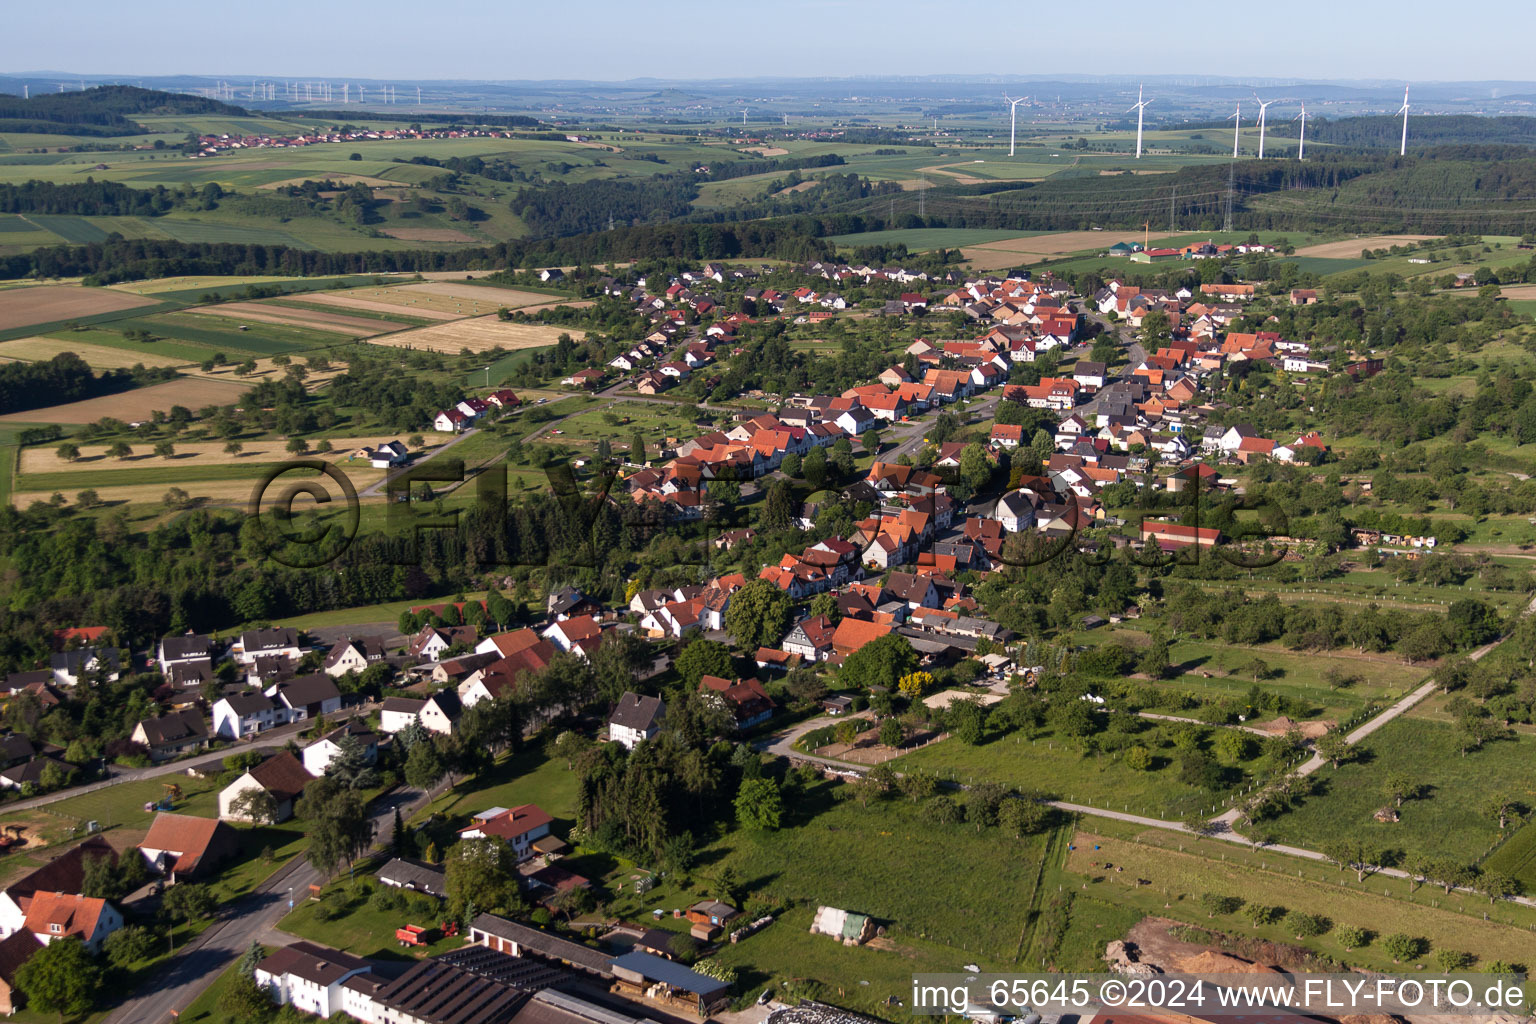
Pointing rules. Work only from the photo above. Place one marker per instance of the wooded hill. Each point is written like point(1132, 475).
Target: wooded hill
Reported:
point(104, 110)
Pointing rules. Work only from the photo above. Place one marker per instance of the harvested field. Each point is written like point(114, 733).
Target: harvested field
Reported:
point(266, 369)
point(963, 179)
point(512, 298)
point(177, 284)
point(219, 492)
point(1350, 248)
point(428, 235)
point(765, 150)
point(802, 187)
point(100, 357)
point(48, 303)
point(477, 335)
point(266, 313)
point(93, 457)
point(130, 406)
point(348, 302)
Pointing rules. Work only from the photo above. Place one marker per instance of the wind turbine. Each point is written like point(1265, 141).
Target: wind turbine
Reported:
point(1141, 109)
point(1402, 150)
point(1237, 125)
point(1301, 151)
point(1263, 106)
point(1013, 118)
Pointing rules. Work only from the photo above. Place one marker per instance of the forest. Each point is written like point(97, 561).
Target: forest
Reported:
point(65, 378)
point(103, 110)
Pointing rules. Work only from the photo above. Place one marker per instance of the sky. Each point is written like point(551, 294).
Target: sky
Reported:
point(614, 40)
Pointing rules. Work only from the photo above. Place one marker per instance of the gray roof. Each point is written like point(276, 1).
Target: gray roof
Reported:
point(543, 944)
point(637, 712)
point(668, 972)
point(413, 874)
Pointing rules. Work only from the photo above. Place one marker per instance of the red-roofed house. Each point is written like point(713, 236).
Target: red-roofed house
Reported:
point(519, 826)
point(57, 915)
point(183, 846)
point(745, 699)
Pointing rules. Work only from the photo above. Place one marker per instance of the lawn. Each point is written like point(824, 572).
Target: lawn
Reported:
point(524, 778)
point(346, 918)
point(1056, 766)
point(1447, 821)
point(368, 613)
point(122, 805)
point(1180, 870)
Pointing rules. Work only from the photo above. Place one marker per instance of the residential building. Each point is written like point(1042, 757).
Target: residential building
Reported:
point(267, 643)
point(281, 776)
point(319, 754)
point(309, 977)
point(306, 696)
point(58, 915)
point(404, 873)
point(246, 714)
point(636, 718)
point(746, 700)
point(354, 654)
point(172, 734)
point(184, 847)
point(518, 826)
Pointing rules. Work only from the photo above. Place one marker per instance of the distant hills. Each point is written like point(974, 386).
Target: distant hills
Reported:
point(105, 110)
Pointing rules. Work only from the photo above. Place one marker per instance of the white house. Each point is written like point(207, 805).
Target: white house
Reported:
point(636, 718)
point(69, 667)
point(353, 655)
point(519, 826)
point(246, 714)
point(398, 712)
point(319, 754)
point(180, 650)
point(281, 776)
point(309, 977)
point(267, 643)
point(57, 915)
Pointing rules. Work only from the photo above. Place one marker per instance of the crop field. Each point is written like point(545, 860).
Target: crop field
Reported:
point(233, 485)
point(100, 357)
point(193, 231)
point(262, 312)
point(195, 284)
point(220, 334)
point(477, 335)
point(429, 235)
point(1517, 857)
point(379, 306)
point(138, 404)
point(23, 307)
point(920, 239)
point(1350, 248)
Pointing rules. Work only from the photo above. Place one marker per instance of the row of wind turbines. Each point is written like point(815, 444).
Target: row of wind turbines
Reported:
point(1237, 123)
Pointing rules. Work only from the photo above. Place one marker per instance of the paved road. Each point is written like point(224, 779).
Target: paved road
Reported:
point(255, 916)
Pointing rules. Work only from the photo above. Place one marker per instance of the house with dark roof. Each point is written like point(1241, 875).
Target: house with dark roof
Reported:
point(354, 654)
point(470, 985)
point(645, 975)
point(521, 940)
point(282, 777)
point(318, 755)
point(245, 714)
point(635, 718)
point(14, 951)
point(746, 700)
point(309, 977)
point(306, 697)
point(64, 873)
point(267, 643)
point(183, 847)
point(69, 667)
point(172, 734)
point(175, 650)
point(404, 873)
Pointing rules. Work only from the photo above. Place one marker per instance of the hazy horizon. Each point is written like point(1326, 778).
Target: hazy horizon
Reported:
point(796, 39)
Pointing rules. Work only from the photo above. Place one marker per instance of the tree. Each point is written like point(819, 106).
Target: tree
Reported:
point(792, 465)
point(891, 733)
point(975, 466)
point(349, 766)
point(778, 510)
point(68, 451)
point(424, 767)
point(130, 945)
point(1259, 914)
point(255, 805)
point(683, 947)
point(234, 448)
point(1498, 886)
point(1215, 903)
point(814, 467)
point(1450, 960)
point(119, 450)
point(1350, 937)
point(482, 872)
point(1402, 947)
point(244, 1002)
point(187, 902)
point(871, 441)
point(705, 658)
point(967, 720)
point(298, 446)
point(1022, 816)
point(1334, 747)
point(339, 827)
point(1308, 926)
point(759, 804)
point(1154, 661)
point(88, 498)
point(1400, 786)
point(913, 684)
point(759, 615)
point(881, 662)
point(1501, 807)
point(637, 449)
point(61, 978)
point(165, 449)
point(1138, 758)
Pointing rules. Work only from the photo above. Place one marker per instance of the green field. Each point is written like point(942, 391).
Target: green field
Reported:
point(920, 239)
point(1517, 857)
point(1447, 821)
